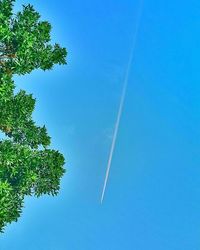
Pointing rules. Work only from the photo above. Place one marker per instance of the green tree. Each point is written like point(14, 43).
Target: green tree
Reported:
point(24, 41)
point(27, 165)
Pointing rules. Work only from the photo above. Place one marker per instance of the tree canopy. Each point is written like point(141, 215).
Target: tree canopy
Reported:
point(24, 41)
point(27, 165)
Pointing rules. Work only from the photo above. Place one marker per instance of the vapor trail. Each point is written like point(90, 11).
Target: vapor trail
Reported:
point(125, 83)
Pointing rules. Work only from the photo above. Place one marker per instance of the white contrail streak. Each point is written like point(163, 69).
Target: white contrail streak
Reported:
point(125, 83)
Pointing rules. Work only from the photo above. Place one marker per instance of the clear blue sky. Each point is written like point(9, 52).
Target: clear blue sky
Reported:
point(152, 200)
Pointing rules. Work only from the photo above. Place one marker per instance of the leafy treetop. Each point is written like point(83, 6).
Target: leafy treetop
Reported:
point(24, 41)
point(27, 165)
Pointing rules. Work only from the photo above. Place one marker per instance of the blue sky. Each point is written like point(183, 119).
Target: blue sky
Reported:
point(152, 199)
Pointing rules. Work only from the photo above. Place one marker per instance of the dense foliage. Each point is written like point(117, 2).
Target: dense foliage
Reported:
point(27, 165)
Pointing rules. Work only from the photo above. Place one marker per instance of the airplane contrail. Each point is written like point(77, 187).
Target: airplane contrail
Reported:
point(125, 83)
